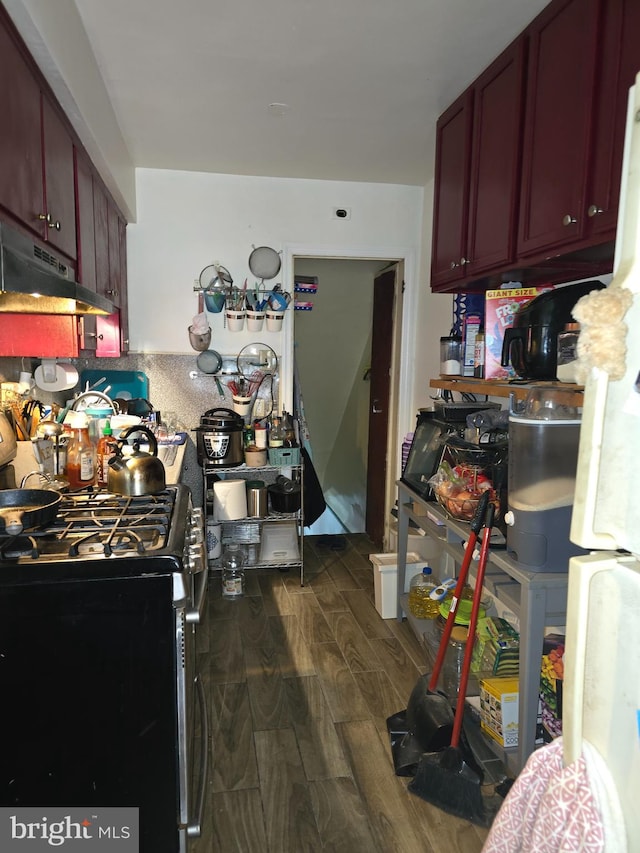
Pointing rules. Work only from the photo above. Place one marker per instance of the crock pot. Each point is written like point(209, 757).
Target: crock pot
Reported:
point(220, 439)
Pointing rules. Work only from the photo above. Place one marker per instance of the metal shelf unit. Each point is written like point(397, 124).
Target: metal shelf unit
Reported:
point(539, 599)
point(239, 531)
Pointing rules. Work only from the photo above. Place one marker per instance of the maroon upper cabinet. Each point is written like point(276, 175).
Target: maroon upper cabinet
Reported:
point(618, 63)
point(20, 135)
point(561, 76)
point(498, 110)
point(59, 184)
point(451, 193)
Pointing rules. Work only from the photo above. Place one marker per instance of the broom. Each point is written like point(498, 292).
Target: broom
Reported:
point(444, 778)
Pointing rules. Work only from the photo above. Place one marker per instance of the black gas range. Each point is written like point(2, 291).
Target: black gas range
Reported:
point(97, 648)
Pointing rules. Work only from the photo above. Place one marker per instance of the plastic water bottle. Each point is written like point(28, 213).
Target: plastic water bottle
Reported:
point(233, 560)
point(421, 603)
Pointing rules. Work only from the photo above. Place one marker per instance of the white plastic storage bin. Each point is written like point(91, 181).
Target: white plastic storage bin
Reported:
point(385, 580)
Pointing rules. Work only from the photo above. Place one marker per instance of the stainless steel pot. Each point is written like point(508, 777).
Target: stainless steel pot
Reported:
point(139, 473)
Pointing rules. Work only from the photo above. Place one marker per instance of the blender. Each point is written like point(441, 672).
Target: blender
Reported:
point(543, 457)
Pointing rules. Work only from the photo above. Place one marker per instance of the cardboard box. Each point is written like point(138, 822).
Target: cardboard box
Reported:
point(385, 580)
point(472, 323)
point(500, 306)
point(499, 704)
point(551, 683)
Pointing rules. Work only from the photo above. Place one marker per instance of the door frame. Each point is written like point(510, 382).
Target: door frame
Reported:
point(401, 415)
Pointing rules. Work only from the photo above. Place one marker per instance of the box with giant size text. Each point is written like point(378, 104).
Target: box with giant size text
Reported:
point(499, 309)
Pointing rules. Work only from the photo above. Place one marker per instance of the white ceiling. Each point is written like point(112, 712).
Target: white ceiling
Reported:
point(363, 80)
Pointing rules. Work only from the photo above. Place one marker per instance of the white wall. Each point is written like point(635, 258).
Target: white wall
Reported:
point(187, 220)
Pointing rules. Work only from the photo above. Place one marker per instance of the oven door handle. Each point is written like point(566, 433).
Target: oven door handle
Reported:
point(193, 615)
point(194, 827)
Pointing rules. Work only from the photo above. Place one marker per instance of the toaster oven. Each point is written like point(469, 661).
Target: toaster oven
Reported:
point(426, 452)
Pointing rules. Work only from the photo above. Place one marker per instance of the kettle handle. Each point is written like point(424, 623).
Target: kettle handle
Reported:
point(153, 442)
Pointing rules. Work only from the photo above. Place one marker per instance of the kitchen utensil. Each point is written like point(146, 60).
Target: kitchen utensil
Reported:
point(209, 361)
point(531, 344)
point(8, 443)
point(284, 501)
point(445, 778)
point(215, 277)
point(139, 473)
point(264, 262)
point(220, 438)
point(25, 509)
point(50, 376)
point(199, 340)
point(256, 356)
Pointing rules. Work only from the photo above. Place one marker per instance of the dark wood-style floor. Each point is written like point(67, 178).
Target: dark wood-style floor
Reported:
point(300, 682)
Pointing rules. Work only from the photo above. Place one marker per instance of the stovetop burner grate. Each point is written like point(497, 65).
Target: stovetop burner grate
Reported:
point(97, 524)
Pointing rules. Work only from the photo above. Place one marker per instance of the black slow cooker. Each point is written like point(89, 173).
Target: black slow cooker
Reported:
point(220, 439)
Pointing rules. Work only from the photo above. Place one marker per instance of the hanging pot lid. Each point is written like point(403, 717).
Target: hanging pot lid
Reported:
point(264, 262)
point(254, 357)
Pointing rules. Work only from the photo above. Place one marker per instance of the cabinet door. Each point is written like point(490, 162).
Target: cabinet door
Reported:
point(113, 228)
point(562, 53)
point(124, 300)
point(59, 184)
point(451, 199)
point(40, 335)
point(86, 240)
point(495, 161)
point(618, 64)
point(100, 212)
point(20, 137)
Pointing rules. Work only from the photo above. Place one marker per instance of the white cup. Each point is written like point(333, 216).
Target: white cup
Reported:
point(242, 405)
point(235, 320)
point(274, 320)
point(255, 321)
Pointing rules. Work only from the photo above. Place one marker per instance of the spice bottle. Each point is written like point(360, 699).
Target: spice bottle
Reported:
point(81, 453)
point(106, 450)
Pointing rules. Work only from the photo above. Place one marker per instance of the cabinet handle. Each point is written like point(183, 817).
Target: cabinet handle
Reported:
point(111, 292)
point(94, 335)
point(375, 410)
point(454, 265)
point(594, 210)
point(569, 220)
point(44, 217)
point(464, 261)
point(55, 225)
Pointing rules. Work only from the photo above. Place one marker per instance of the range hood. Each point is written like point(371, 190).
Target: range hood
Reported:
point(34, 281)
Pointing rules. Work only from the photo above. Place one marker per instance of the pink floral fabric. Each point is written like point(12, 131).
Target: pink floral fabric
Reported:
point(550, 809)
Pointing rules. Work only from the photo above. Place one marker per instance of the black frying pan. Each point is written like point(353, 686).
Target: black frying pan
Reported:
point(25, 509)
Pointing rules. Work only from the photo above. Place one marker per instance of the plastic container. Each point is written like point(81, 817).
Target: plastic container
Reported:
point(385, 580)
point(421, 604)
point(450, 353)
point(233, 562)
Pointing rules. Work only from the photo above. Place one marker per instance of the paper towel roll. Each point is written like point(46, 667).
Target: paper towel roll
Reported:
point(229, 500)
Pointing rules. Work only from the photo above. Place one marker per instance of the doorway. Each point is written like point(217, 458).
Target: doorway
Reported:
point(347, 354)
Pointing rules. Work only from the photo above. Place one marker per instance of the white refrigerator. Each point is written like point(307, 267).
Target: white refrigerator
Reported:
point(602, 660)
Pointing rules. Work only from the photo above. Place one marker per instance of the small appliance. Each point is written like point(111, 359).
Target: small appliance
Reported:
point(220, 439)
point(426, 452)
point(543, 455)
point(531, 344)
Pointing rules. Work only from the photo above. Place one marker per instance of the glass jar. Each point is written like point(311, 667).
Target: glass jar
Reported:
point(450, 352)
point(233, 562)
point(568, 352)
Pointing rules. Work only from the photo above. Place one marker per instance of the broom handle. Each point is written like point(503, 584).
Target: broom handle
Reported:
point(476, 524)
point(468, 652)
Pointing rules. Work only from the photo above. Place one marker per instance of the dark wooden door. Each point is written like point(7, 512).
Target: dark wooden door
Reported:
point(561, 69)
point(619, 62)
point(20, 135)
point(498, 112)
point(381, 356)
point(451, 193)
